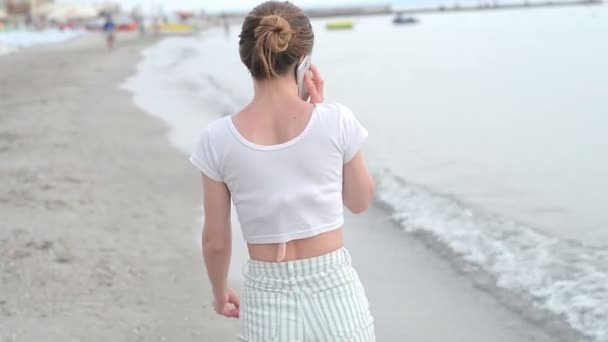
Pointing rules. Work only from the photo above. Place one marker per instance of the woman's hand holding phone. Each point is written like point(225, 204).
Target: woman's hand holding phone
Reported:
point(315, 84)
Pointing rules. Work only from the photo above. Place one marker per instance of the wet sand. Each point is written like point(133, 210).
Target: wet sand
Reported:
point(416, 294)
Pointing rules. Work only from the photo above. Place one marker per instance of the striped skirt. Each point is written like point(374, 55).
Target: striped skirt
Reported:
point(311, 300)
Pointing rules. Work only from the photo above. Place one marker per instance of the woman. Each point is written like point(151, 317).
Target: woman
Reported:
point(289, 166)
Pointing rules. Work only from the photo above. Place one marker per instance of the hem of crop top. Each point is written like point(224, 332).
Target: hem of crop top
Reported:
point(302, 234)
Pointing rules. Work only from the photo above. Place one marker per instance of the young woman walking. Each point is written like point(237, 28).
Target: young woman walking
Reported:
point(289, 166)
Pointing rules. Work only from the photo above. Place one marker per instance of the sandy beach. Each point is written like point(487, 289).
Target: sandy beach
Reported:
point(97, 208)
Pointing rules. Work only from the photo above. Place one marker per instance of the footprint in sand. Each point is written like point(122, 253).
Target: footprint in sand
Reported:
point(103, 273)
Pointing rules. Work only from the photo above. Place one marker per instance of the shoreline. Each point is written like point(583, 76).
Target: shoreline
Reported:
point(423, 296)
point(518, 317)
point(98, 207)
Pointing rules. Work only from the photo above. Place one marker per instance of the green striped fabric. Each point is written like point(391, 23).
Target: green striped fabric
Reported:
point(312, 300)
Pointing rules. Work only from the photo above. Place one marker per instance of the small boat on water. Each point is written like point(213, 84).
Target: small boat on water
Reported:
point(340, 25)
point(401, 20)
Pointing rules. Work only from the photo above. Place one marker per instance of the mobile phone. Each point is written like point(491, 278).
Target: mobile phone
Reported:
point(301, 70)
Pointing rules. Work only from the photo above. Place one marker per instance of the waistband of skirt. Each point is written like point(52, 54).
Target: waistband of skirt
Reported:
point(298, 268)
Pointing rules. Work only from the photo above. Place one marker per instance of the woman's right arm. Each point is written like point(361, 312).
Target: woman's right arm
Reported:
point(357, 186)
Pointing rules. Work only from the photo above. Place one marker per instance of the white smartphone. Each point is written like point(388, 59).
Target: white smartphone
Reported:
point(301, 70)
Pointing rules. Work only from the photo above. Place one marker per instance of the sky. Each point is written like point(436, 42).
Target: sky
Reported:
point(232, 5)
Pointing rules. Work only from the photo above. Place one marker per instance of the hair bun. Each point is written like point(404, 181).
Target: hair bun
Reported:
point(274, 32)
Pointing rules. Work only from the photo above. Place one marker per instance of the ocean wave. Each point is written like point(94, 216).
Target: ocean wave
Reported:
point(564, 277)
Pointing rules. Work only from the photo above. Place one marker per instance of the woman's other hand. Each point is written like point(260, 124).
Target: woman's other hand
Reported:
point(227, 305)
point(315, 84)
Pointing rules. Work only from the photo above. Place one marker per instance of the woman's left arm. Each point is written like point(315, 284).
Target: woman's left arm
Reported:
point(217, 245)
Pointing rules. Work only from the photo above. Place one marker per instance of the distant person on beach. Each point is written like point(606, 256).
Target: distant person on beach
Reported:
point(156, 25)
point(289, 166)
point(226, 25)
point(110, 30)
point(141, 24)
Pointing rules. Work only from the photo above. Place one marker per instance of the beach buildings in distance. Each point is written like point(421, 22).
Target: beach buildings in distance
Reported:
point(21, 7)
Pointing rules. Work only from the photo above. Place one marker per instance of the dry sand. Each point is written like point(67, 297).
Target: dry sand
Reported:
point(97, 209)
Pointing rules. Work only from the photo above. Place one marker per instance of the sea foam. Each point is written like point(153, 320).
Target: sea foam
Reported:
point(563, 277)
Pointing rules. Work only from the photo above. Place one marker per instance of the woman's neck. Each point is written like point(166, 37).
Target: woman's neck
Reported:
point(276, 92)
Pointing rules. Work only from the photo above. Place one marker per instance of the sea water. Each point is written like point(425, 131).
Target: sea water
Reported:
point(488, 135)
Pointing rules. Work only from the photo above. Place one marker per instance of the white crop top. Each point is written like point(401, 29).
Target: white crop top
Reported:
point(287, 191)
